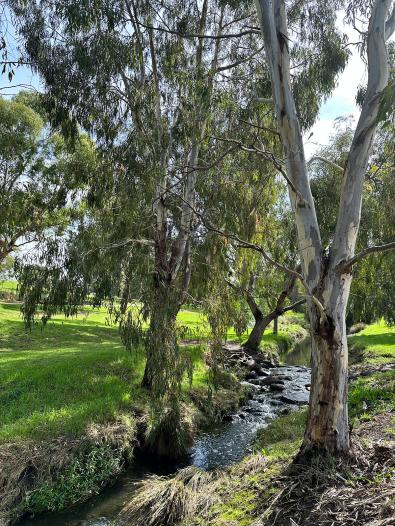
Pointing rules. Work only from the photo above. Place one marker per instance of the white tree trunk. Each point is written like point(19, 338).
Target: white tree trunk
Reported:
point(326, 278)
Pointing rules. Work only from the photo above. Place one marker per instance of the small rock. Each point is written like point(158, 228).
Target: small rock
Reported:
point(282, 377)
point(271, 380)
point(255, 381)
point(277, 387)
point(251, 375)
point(295, 398)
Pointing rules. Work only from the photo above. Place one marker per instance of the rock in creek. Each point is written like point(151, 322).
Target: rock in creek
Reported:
point(295, 397)
point(251, 375)
point(274, 379)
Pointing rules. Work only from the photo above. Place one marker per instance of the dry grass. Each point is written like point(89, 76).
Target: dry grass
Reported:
point(23, 466)
point(251, 465)
point(164, 501)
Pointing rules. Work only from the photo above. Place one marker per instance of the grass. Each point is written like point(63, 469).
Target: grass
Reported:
point(377, 343)
point(10, 286)
point(55, 380)
point(58, 379)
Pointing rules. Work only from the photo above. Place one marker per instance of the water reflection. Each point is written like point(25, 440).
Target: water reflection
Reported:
point(300, 354)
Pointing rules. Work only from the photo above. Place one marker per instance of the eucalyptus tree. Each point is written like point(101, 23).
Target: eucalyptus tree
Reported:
point(257, 212)
point(145, 79)
point(39, 175)
point(326, 274)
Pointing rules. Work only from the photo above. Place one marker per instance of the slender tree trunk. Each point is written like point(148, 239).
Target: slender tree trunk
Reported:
point(275, 326)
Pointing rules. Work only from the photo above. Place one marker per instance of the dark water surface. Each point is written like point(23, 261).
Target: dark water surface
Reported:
point(224, 444)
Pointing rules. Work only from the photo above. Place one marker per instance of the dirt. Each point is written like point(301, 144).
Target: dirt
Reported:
point(365, 369)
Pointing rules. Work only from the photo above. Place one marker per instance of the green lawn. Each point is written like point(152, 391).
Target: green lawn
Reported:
point(377, 342)
point(55, 380)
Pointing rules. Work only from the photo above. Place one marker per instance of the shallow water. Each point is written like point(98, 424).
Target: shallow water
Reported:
point(224, 444)
point(300, 354)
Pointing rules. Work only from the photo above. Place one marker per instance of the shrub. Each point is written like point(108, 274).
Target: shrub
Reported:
point(84, 477)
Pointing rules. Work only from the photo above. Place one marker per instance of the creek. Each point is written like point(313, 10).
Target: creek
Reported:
point(274, 392)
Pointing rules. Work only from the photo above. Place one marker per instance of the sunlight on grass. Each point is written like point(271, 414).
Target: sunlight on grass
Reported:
point(8, 286)
point(377, 342)
point(57, 379)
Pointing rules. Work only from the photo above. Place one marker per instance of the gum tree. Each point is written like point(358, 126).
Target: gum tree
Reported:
point(144, 78)
point(372, 293)
point(39, 174)
point(327, 274)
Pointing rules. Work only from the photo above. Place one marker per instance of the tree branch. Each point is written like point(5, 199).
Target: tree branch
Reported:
point(291, 307)
point(327, 161)
point(256, 311)
point(346, 265)
point(257, 248)
point(200, 36)
point(241, 61)
point(269, 156)
point(263, 128)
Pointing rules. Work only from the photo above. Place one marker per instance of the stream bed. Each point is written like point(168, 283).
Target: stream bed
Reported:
point(274, 392)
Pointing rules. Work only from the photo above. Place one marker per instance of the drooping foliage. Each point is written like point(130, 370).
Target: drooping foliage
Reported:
point(154, 84)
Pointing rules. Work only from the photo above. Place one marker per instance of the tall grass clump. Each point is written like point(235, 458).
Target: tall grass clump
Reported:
point(164, 501)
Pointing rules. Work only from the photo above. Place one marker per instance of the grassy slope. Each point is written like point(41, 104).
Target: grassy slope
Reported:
point(58, 379)
point(55, 380)
point(280, 441)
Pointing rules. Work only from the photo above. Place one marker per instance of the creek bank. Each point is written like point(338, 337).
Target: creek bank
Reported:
point(216, 445)
point(36, 477)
